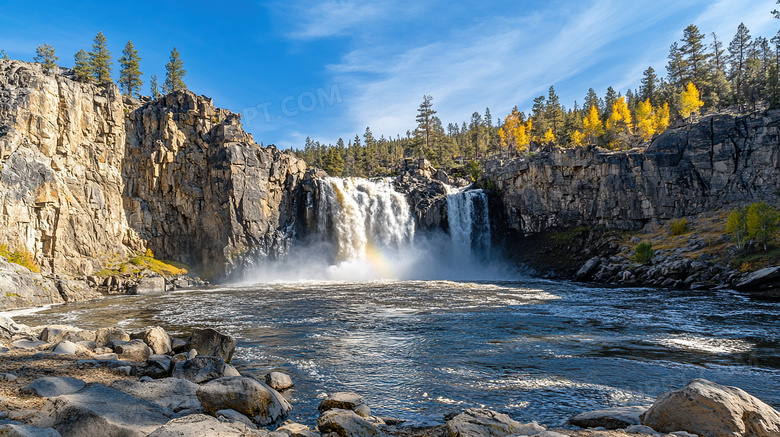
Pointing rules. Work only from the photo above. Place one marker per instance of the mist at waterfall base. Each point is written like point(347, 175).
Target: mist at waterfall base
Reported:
point(366, 232)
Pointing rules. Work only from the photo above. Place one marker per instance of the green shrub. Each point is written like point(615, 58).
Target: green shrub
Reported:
point(679, 227)
point(644, 253)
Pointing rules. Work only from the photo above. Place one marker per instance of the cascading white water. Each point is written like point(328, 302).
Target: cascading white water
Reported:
point(468, 219)
point(364, 215)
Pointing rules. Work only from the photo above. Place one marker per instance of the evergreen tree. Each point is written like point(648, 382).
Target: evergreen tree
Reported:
point(424, 120)
point(718, 57)
point(649, 85)
point(130, 75)
point(476, 133)
point(695, 56)
point(721, 88)
point(100, 60)
point(82, 67)
point(677, 67)
point(591, 100)
point(739, 52)
point(154, 89)
point(609, 102)
point(553, 113)
point(174, 73)
point(332, 162)
point(44, 55)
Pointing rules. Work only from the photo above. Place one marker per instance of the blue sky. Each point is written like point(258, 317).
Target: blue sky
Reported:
point(327, 69)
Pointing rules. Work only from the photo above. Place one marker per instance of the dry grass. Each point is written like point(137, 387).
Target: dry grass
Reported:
point(139, 264)
point(21, 257)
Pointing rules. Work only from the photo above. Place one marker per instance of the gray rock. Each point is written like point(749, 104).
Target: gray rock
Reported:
point(589, 268)
point(27, 344)
point(641, 429)
point(278, 381)
point(158, 340)
point(133, 350)
point(293, 429)
point(67, 348)
point(18, 430)
point(159, 366)
point(97, 410)
point(212, 343)
point(8, 377)
point(231, 416)
point(201, 369)
point(197, 425)
point(248, 396)
point(149, 285)
point(480, 422)
point(177, 395)
point(58, 333)
point(609, 418)
point(346, 423)
point(712, 410)
point(764, 281)
point(50, 386)
point(107, 336)
point(343, 401)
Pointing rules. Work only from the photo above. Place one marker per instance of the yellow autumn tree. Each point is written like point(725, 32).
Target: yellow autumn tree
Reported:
point(592, 125)
point(577, 137)
point(548, 137)
point(661, 118)
point(645, 120)
point(514, 133)
point(619, 123)
point(690, 101)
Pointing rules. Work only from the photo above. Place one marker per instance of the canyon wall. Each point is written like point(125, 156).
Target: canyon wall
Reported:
point(718, 162)
point(88, 177)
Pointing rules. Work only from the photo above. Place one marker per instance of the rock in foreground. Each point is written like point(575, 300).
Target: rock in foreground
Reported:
point(346, 423)
point(610, 418)
point(712, 410)
point(248, 396)
point(481, 422)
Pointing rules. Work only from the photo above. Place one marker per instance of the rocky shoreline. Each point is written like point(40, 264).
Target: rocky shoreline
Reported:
point(64, 381)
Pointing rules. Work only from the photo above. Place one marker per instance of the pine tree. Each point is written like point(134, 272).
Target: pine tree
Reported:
point(609, 102)
point(695, 56)
point(130, 75)
point(690, 101)
point(739, 52)
point(591, 100)
point(44, 55)
point(154, 89)
point(649, 85)
point(476, 133)
point(424, 120)
point(100, 60)
point(553, 112)
point(676, 67)
point(82, 67)
point(174, 73)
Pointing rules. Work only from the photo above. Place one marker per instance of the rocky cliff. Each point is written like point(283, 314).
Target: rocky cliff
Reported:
point(712, 164)
point(88, 178)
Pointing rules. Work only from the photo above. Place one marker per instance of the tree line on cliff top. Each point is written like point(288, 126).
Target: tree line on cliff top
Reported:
point(703, 73)
point(96, 66)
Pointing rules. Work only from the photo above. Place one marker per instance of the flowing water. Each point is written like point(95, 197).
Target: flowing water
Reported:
point(425, 324)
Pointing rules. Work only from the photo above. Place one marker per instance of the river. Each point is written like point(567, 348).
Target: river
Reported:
point(537, 350)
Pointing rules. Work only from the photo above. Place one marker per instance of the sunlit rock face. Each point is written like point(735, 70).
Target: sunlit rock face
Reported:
point(88, 177)
point(712, 164)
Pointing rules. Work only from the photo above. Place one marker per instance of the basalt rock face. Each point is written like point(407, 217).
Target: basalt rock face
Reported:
point(201, 191)
point(88, 176)
point(62, 147)
point(719, 161)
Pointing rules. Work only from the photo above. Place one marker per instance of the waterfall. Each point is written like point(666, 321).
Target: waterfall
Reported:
point(363, 216)
point(468, 219)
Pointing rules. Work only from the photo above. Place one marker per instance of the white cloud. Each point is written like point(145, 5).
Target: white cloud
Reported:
point(336, 17)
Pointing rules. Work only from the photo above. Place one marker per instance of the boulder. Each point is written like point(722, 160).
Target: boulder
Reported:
point(18, 430)
point(50, 386)
point(278, 381)
point(58, 333)
point(481, 422)
point(246, 395)
point(133, 350)
point(213, 343)
point(158, 366)
point(588, 269)
point(107, 336)
point(177, 395)
point(158, 340)
point(345, 401)
point(202, 369)
point(346, 423)
point(197, 425)
point(68, 348)
point(765, 281)
point(149, 285)
point(712, 410)
point(293, 429)
point(610, 418)
point(97, 410)
point(233, 416)
point(27, 344)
